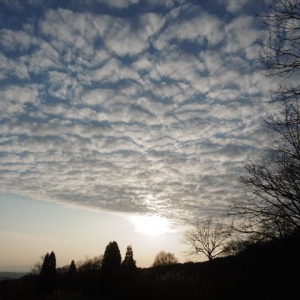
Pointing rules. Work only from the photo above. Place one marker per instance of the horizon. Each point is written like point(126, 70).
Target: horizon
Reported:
point(124, 121)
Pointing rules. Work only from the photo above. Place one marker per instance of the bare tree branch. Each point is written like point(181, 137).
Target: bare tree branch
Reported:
point(206, 237)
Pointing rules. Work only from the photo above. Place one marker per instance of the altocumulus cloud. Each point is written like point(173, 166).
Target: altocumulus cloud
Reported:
point(130, 106)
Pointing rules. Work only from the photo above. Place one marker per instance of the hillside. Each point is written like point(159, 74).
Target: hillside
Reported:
point(260, 272)
point(11, 275)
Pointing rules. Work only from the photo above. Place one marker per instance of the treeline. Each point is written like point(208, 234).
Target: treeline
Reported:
point(98, 275)
point(259, 270)
point(261, 266)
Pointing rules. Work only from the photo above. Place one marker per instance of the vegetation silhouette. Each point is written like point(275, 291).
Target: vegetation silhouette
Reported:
point(262, 266)
point(271, 206)
point(207, 237)
point(261, 270)
point(47, 279)
point(164, 258)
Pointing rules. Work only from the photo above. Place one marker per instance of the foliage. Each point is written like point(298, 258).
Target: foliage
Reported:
point(72, 269)
point(112, 258)
point(48, 273)
point(164, 258)
point(49, 265)
point(129, 264)
point(63, 270)
point(257, 272)
point(90, 264)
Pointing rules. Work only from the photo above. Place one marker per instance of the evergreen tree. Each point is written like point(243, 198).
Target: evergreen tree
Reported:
point(45, 265)
point(48, 273)
point(112, 258)
point(128, 265)
point(52, 264)
point(128, 261)
point(72, 268)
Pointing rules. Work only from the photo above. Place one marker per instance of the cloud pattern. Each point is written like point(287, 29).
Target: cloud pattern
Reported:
point(130, 106)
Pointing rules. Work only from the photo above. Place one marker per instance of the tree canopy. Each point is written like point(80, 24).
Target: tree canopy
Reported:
point(128, 261)
point(72, 269)
point(48, 273)
point(164, 258)
point(112, 258)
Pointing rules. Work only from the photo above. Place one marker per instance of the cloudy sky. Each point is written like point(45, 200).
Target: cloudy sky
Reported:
point(118, 115)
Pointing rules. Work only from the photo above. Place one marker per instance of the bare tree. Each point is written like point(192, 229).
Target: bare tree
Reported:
point(36, 269)
point(90, 264)
point(280, 55)
point(206, 237)
point(164, 258)
point(271, 207)
point(281, 51)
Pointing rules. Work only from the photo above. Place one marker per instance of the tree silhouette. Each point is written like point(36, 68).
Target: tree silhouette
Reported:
point(112, 258)
point(128, 261)
point(129, 264)
point(91, 264)
point(207, 237)
point(72, 269)
point(49, 265)
point(36, 269)
point(280, 52)
point(48, 273)
point(164, 258)
point(45, 264)
point(271, 206)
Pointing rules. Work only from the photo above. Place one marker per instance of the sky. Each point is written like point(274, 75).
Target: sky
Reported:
point(123, 121)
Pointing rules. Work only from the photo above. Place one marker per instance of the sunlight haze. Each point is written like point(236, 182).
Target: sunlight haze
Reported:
point(123, 121)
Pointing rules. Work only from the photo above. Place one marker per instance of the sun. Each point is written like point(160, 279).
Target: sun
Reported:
point(151, 225)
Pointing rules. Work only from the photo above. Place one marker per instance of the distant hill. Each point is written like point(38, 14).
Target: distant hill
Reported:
point(11, 275)
point(261, 271)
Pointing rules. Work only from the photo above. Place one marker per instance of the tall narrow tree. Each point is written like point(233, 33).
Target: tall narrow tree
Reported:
point(129, 263)
point(111, 258)
point(48, 273)
point(72, 268)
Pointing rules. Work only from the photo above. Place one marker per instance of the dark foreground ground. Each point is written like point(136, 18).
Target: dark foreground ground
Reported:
point(260, 272)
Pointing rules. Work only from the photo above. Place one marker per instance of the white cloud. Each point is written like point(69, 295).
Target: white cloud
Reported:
point(178, 66)
point(11, 40)
point(68, 30)
point(204, 28)
point(234, 6)
point(131, 38)
point(46, 57)
point(13, 68)
point(240, 34)
point(113, 71)
point(118, 3)
point(111, 110)
point(14, 98)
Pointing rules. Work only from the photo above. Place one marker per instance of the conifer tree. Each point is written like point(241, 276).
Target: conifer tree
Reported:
point(45, 265)
point(128, 261)
point(52, 264)
point(129, 265)
point(111, 258)
point(72, 268)
point(48, 273)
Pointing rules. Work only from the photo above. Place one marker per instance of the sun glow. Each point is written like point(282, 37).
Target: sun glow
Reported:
point(151, 225)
